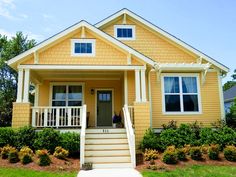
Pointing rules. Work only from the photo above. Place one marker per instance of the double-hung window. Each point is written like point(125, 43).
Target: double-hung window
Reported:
point(67, 95)
point(83, 47)
point(124, 32)
point(181, 94)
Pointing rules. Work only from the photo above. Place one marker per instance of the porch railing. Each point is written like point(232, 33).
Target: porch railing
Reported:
point(82, 135)
point(130, 134)
point(56, 116)
point(131, 113)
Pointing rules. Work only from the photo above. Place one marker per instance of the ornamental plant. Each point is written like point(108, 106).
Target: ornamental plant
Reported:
point(230, 153)
point(26, 155)
point(181, 155)
point(170, 156)
point(196, 153)
point(44, 159)
point(13, 156)
point(60, 153)
point(150, 154)
point(213, 152)
point(5, 151)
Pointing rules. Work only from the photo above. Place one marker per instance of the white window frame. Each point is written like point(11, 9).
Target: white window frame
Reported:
point(181, 112)
point(65, 84)
point(92, 41)
point(125, 26)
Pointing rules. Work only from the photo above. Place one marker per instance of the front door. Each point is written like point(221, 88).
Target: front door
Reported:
point(104, 108)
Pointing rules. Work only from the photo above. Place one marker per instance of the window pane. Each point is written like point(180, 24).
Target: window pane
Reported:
point(83, 47)
point(119, 32)
point(129, 33)
point(124, 32)
point(190, 103)
point(189, 84)
point(59, 92)
point(58, 103)
point(172, 103)
point(171, 84)
point(74, 103)
point(77, 48)
point(89, 47)
point(75, 92)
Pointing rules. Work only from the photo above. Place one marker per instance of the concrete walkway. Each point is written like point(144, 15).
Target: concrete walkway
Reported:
point(124, 172)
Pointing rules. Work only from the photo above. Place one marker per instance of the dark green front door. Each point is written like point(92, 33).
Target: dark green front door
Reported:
point(104, 108)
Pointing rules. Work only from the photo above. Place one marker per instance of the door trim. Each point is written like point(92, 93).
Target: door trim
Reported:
point(112, 93)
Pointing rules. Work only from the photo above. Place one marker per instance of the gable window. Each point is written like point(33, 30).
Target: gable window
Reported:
point(124, 32)
point(181, 94)
point(67, 94)
point(83, 47)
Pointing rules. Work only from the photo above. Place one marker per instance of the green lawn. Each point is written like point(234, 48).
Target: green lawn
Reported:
point(195, 171)
point(14, 172)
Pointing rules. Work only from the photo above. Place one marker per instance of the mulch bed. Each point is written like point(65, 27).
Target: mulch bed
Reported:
point(161, 166)
point(69, 165)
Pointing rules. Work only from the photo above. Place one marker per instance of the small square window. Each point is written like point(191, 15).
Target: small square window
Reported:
point(124, 32)
point(83, 47)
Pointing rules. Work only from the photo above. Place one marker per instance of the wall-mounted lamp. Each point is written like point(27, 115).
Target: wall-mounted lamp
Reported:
point(92, 91)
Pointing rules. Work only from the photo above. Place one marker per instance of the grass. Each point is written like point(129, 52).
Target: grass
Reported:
point(195, 171)
point(14, 172)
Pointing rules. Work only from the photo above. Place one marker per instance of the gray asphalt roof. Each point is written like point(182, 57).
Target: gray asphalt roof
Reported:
point(230, 93)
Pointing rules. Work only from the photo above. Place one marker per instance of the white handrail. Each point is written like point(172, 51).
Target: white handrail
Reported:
point(82, 135)
point(130, 134)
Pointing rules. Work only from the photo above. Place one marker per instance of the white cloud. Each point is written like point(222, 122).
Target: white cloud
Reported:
point(47, 16)
point(5, 7)
point(30, 35)
point(24, 16)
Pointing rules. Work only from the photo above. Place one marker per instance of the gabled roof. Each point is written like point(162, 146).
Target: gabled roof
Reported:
point(74, 27)
point(230, 94)
point(162, 32)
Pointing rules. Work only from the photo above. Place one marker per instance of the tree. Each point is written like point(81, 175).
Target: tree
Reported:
point(231, 116)
point(10, 48)
point(231, 83)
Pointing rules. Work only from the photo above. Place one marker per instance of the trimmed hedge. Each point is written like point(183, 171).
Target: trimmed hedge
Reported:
point(188, 134)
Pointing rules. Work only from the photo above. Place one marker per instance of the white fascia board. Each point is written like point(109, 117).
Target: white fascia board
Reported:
point(80, 67)
point(182, 67)
point(164, 33)
point(92, 28)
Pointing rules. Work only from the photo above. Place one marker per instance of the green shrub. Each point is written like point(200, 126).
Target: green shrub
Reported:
point(44, 159)
point(150, 154)
point(26, 137)
point(181, 155)
point(170, 125)
point(226, 136)
point(71, 142)
point(60, 153)
point(196, 153)
point(230, 153)
point(48, 139)
point(150, 141)
point(208, 136)
point(13, 156)
point(169, 137)
point(5, 151)
point(7, 137)
point(26, 155)
point(170, 156)
point(205, 148)
point(186, 135)
point(213, 152)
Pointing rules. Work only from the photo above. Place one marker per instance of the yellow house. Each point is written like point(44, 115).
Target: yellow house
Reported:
point(124, 65)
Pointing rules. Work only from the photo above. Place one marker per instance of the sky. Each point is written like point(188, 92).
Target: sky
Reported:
point(208, 25)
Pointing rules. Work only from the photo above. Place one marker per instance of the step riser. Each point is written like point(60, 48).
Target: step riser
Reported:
point(114, 165)
point(105, 141)
point(105, 136)
point(107, 153)
point(105, 130)
point(106, 147)
point(107, 159)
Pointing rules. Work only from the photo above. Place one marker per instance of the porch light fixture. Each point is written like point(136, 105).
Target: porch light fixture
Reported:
point(92, 91)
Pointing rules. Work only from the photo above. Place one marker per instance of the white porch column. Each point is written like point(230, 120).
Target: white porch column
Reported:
point(36, 95)
point(143, 85)
point(137, 85)
point(126, 88)
point(26, 86)
point(20, 86)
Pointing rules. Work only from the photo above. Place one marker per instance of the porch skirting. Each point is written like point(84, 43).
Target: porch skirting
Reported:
point(141, 120)
point(21, 115)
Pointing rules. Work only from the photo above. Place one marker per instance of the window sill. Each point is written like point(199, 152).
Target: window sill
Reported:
point(181, 113)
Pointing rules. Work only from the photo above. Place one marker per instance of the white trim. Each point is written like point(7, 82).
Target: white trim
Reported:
point(150, 96)
point(92, 41)
point(36, 95)
point(112, 92)
point(124, 27)
point(162, 32)
point(73, 28)
point(143, 85)
point(81, 67)
point(126, 87)
point(20, 86)
point(26, 86)
point(221, 97)
point(180, 75)
point(137, 86)
point(66, 84)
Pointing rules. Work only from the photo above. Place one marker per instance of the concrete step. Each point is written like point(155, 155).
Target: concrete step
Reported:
point(106, 141)
point(107, 153)
point(107, 146)
point(112, 165)
point(107, 159)
point(105, 136)
point(114, 130)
